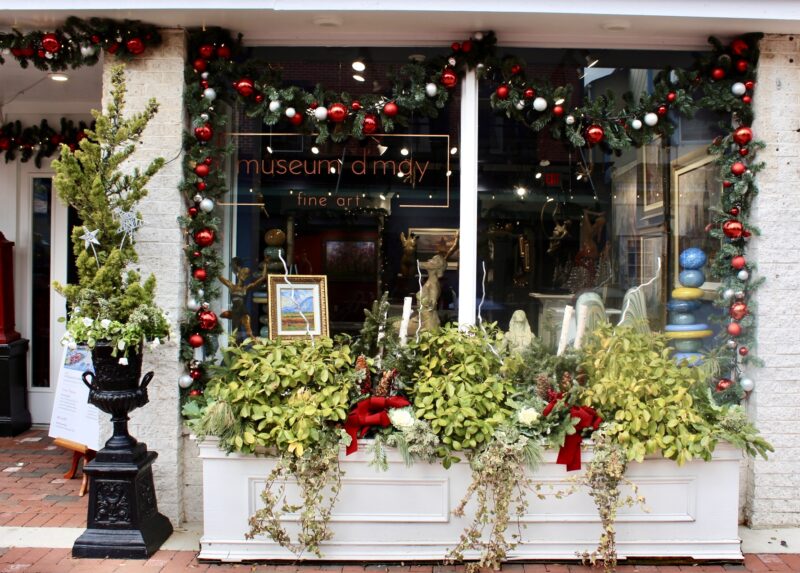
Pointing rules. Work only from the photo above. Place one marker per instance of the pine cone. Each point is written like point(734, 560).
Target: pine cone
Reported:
point(385, 385)
point(566, 381)
point(366, 382)
point(542, 386)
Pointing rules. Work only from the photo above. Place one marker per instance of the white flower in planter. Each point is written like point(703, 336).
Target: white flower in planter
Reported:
point(401, 418)
point(123, 361)
point(121, 345)
point(105, 323)
point(528, 416)
point(87, 321)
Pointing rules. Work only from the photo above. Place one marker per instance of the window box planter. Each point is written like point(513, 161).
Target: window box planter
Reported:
point(404, 514)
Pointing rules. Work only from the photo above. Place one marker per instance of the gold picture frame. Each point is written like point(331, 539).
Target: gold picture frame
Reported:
point(298, 308)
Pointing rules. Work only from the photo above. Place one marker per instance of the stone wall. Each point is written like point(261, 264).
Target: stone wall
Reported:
point(159, 73)
point(772, 488)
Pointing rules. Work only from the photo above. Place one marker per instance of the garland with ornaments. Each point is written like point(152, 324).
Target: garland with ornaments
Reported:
point(39, 141)
point(722, 81)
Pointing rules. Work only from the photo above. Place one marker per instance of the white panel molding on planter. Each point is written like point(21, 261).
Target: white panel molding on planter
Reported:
point(404, 514)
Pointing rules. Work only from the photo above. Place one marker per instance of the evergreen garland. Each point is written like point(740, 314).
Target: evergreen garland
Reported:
point(39, 141)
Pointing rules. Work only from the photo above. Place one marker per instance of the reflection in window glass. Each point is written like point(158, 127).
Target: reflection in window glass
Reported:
point(40, 307)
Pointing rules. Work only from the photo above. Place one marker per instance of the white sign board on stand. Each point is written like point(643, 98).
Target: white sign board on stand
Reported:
point(73, 417)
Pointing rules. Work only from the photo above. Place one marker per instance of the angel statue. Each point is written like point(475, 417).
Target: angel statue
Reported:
point(237, 313)
point(428, 296)
point(407, 263)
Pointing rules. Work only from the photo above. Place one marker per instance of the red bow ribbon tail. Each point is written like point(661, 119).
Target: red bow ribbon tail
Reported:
point(368, 413)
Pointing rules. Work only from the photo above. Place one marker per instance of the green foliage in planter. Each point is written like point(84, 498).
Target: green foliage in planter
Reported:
point(458, 387)
point(279, 394)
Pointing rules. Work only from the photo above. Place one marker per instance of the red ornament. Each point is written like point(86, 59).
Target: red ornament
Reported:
point(355, 105)
point(749, 84)
point(206, 51)
point(390, 109)
point(197, 254)
point(112, 49)
point(196, 392)
point(202, 170)
point(207, 319)
point(502, 91)
point(733, 229)
point(208, 160)
point(594, 134)
point(370, 124)
point(455, 46)
point(200, 274)
point(449, 78)
point(224, 52)
point(204, 133)
point(738, 310)
point(135, 46)
point(662, 110)
point(529, 93)
point(195, 340)
point(5, 143)
point(466, 46)
point(51, 43)
point(558, 111)
point(724, 384)
point(743, 151)
point(717, 74)
point(204, 237)
point(727, 184)
point(337, 112)
point(671, 97)
point(734, 211)
point(244, 86)
point(747, 99)
point(259, 98)
point(743, 351)
point(200, 65)
point(297, 119)
point(95, 39)
point(735, 329)
point(738, 168)
point(741, 66)
point(739, 47)
point(746, 234)
point(743, 135)
point(515, 69)
point(201, 185)
point(40, 53)
point(196, 374)
point(204, 84)
point(193, 212)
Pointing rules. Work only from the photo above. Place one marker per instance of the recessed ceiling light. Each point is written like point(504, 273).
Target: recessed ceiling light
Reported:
point(359, 65)
point(59, 77)
point(359, 78)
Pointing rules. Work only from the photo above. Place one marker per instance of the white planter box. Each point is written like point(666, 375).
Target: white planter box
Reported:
point(405, 514)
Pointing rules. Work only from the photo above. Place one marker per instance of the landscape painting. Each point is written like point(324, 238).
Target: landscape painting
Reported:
point(298, 306)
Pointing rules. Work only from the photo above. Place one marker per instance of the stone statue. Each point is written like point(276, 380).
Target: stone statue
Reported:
point(407, 263)
point(519, 334)
point(237, 313)
point(428, 296)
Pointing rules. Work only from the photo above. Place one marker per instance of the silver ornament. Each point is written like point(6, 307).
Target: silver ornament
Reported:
point(570, 119)
point(7, 51)
point(451, 61)
point(636, 124)
point(210, 94)
point(290, 112)
point(206, 205)
point(274, 105)
point(727, 294)
point(204, 75)
point(739, 295)
point(673, 77)
point(747, 384)
point(321, 113)
point(731, 344)
point(88, 51)
point(477, 36)
point(520, 105)
point(201, 293)
point(743, 275)
point(650, 119)
point(540, 104)
point(205, 306)
point(192, 304)
point(738, 89)
point(197, 198)
point(204, 116)
point(431, 89)
point(185, 381)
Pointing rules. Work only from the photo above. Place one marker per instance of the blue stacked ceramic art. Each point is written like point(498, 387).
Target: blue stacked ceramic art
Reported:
point(684, 331)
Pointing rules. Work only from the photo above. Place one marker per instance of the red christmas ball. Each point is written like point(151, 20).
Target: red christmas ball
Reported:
point(558, 111)
point(743, 351)
point(135, 46)
point(204, 133)
point(201, 186)
point(662, 110)
point(749, 84)
point(390, 109)
point(724, 384)
point(743, 135)
point(515, 69)
point(244, 86)
point(355, 105)
point(95, 39)
point(502, 91)
point(51, 43)
point(206, 51)
point(204, 84)
point(195, 340)
point(738, 310)
point(41, 53)
point(297, 119)
point(200, 65)
point(466, 46)
point(112, 49)
point(224, 51)
point(727, 184)
point(529, 93)
point(202, 170)
point(734, 211)
point(739, 47)
point(717, 74)
point(733, 229)
point(594, 134)
point(746, 234)
point(370, 124)
point(5, 143)
point(743, 151)
point(734, 329)
point(197, 254)
point(259, 98)
point(208, 160)
point(200, 274)
point(449, 78)
point(193, 212)
point(741, 66)
point(204, 237)
point(337, 112)
point(196, 374)
point(738, 168)
point(455, 46)
point(746, 99)
point(207, 319)
point(671, 97)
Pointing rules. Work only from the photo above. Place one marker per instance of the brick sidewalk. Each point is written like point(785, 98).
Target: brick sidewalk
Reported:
point(59, 561)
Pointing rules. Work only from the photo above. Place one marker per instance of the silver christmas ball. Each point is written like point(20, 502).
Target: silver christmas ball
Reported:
point(570, 119)
point(48, 55)
point(201, 293)
point(204, 116)
point(192, 304)
point(210, 94)
point(739, 295)
point(540, 104)
point(197, 198)
point(88, 51)
point(451, 61)
point(636, 124)
point(727, 294)
point(673, 77)
point(321, 113)
point(290, 112)
point(650, 119)
point(7, 51)
point(206, 205)
point(731, 344)
point(747, 384)
point(274, 105)
point(477, 36)
point(738, 89)
point(520, 105)
point(185, 381)
point(205, 306)
point(743, 275)
point(204, 75)
point(431, 89)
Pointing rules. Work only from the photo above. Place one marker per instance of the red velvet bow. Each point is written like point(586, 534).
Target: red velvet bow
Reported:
point(368, 413)
point(570, 452)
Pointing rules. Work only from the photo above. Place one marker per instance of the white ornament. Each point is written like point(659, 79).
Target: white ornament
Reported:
point(727, 294)
point(128, 223)
point(477, 36)
point(204, 116)
point(206, 205)
point(673, 77)
point(451, 61)
point(540, 104)
point(204, 75)
point(197, 198)
point(738, 89)
point(88, 51)
point(731, 344)
point(520, 105)
point(274, 105)
point(192, 304)
point(743, 275)
point(570, 119)
point(290, 112)
point(48, 55)
point(431, 89)
point(7, 51)
point(210, 94)
point(201, 293)
point(636, 124)
point(650, 119)
point(185, 381)
point(321, 113)
point(747, 384)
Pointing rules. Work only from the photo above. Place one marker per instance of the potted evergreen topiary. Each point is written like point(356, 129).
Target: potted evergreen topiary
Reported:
point(109, 309)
